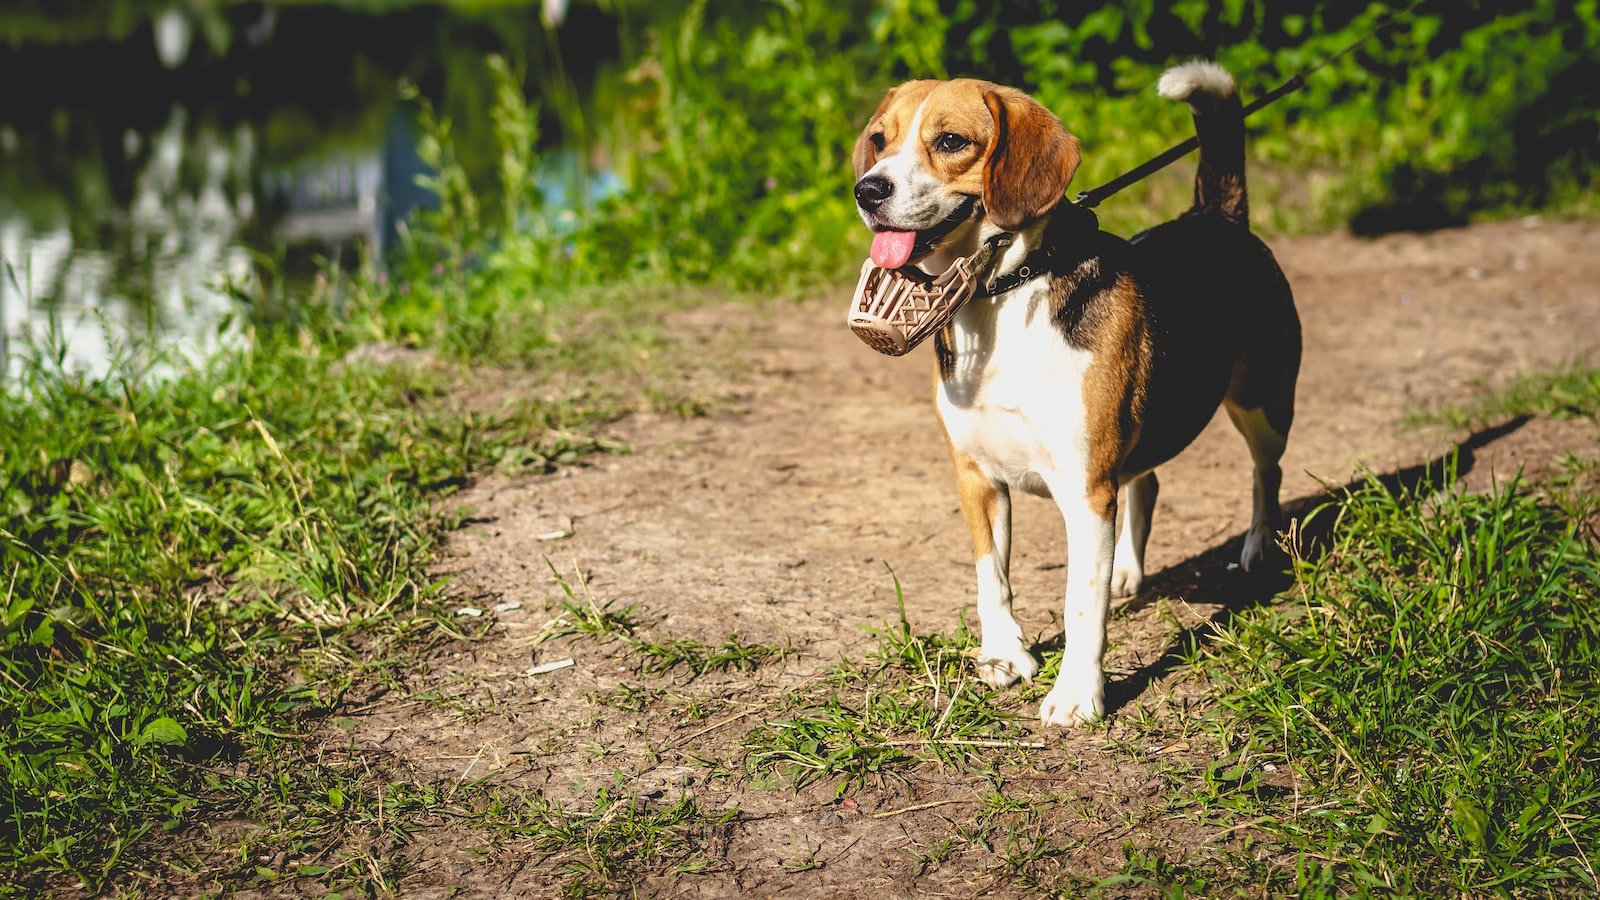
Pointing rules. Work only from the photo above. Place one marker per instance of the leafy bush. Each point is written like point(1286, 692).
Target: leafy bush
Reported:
point(733, 127)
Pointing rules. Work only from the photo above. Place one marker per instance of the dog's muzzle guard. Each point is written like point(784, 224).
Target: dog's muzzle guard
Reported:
point(893, 312)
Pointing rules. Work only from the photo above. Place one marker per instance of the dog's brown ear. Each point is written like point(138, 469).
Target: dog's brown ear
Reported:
point(865, 154)
point(1032, 161)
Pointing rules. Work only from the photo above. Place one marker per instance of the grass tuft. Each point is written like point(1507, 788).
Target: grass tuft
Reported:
point(917, 700)
point(600, 622)
point(605, 849)
point(732, 655)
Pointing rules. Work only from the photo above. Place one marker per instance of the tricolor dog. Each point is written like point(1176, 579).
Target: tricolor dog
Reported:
point(1092, 359)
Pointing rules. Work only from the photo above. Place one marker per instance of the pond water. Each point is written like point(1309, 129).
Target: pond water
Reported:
point(160, 161)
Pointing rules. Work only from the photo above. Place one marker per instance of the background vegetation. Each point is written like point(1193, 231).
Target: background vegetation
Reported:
point(733, 128)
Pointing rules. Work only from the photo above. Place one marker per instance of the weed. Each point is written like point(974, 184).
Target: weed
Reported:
point(732, 655)
point(600, 622)
point(587, 617)
point(1143, 868)
point(625, 697)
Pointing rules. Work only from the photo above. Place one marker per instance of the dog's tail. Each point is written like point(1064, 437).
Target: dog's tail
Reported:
point(1219, 125)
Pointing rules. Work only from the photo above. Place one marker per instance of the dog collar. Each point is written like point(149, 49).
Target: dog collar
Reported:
point(1068, 222)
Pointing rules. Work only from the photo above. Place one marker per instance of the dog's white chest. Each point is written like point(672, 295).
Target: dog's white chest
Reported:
point(1014, 401)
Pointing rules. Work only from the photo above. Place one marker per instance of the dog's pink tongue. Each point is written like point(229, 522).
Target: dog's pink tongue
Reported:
point(891, 249)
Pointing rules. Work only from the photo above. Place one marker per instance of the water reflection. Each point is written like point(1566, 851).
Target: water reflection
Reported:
point(154, 155)
point(85, 278)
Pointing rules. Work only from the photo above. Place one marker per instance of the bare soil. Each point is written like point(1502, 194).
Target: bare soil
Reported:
point(773, 518)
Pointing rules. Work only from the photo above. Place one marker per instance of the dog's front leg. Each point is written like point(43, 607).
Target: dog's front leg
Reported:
point(1090, 511)
point(1003, 659)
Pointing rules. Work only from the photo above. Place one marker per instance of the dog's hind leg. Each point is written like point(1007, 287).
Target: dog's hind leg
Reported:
point(1260, 401)
point(1003, 658)
point(1138, 505)
point(1265, 426)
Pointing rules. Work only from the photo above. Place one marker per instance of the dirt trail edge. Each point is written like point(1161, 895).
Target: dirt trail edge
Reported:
point(774, 521)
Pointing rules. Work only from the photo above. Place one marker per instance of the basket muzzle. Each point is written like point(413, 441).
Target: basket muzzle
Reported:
point(893, 312)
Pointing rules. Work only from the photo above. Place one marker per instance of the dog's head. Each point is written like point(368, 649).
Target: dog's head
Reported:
point(941, 160)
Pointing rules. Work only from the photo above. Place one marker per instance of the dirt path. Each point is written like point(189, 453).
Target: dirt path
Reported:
point(773, 521)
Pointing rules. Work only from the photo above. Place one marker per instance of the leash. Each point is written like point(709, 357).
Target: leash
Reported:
point(1091, 198)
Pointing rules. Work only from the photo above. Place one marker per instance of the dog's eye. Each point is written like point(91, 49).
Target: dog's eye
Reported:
point(950, 142)
point(877, 141)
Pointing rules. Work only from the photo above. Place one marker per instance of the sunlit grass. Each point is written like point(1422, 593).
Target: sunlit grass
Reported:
point(916, 699)
point(190, 564)
point(1425, 696)
point(1570, 391)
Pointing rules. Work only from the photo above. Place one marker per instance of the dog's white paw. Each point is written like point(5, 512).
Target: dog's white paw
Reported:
point(1074, 702)
point(1126, 581)
point(1002, 666)
point(1257, 544)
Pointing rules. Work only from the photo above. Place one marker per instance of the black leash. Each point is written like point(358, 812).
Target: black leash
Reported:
point(1091, 198)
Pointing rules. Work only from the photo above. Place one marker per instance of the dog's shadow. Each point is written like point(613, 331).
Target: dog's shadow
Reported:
point(1207, 579)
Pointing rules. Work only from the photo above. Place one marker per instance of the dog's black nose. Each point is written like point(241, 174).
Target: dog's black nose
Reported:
point(872, 191)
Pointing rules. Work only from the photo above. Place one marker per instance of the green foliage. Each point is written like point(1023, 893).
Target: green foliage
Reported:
point(1430, 693)
point(733, 130)
point(733, 137)
point(1457, 108)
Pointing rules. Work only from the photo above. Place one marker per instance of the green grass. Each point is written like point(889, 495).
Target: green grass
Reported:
point(587, 617)
point(174, 552)
point(356, 822)
point(605, 848)
point(916, 700)
point(699, 658)
point(1571, 391)
point(1413, 716)
point(190, 565)
point(1426, 696)
point(659, 655)
point(193, 566)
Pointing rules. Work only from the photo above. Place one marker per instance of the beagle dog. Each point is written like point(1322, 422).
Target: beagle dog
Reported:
point(1094, 359)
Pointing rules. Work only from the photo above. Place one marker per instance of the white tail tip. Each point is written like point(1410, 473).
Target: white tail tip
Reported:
point(1197, 77)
